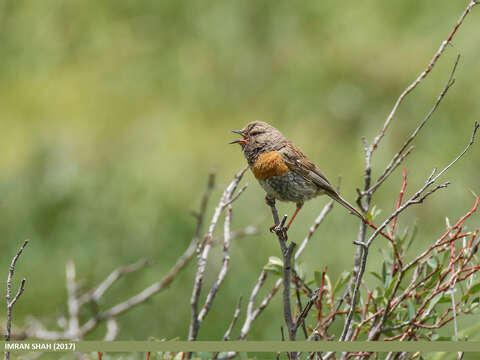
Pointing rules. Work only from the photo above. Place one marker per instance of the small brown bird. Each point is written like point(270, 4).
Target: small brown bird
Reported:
point(282, 169)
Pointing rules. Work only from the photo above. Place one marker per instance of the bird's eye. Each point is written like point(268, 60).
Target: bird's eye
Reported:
point(256, 132)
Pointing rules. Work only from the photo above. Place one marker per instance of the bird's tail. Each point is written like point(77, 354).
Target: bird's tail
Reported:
point(346, 204)
point(338, 198)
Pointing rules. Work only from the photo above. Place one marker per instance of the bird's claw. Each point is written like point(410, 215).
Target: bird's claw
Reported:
point(278, 228)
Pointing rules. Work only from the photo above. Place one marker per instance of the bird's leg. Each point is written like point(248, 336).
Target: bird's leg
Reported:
point(299, 206)
point(271, 202)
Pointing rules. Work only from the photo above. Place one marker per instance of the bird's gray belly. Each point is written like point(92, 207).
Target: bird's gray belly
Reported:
point(290, 187)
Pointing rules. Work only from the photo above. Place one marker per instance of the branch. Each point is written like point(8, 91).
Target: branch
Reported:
point(225, 264)
point(417, 198)
point(306, 309)
point(37, 330)
point(287, 252)
point(203, 253)
point(399, 202)
point(101, 289)
point(236, 314)
point(252, 314)
point(422, 75)
point(326, 209)
point(404, 152)
point(112, 330)
point(11, 302)
point(72, 302)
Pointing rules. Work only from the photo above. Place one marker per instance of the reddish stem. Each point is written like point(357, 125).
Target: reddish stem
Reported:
point(399, 201)
point(464, 217)
point(373, 226)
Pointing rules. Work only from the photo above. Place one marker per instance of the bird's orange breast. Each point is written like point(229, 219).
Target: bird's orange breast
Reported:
point(268, 165)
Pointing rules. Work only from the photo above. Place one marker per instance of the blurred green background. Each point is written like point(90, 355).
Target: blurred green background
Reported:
point(114, 112)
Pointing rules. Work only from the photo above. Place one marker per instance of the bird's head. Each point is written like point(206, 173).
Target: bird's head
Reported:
point(259, 137)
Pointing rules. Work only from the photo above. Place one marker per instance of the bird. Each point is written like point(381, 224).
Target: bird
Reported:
point(282, 169)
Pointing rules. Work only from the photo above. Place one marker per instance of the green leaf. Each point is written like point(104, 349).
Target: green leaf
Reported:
point(433, 279)
point(274, 265)
point(300, 270)
point(374, 212)
point(432, 262)
point(318, 277)
point(391, 285)
point(384, 273)
point(379, 295)
point(387, 255)
point(446, 298)
point(328, 283)
point(474, 289)
point(434, 302)
point(412, 237)
point(376, 275)
point(446, 257)
point(275, 260)
point(442, 298)
point(357, 317)
point(401, 239)
point(411, 310)
point(342, 280)
point(388, 333)
point(474, 304)
point(437, 337)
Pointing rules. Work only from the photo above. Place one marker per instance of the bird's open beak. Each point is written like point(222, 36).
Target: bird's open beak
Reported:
point(240, 141)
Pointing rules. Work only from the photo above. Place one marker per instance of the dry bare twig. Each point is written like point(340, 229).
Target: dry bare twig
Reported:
point(75, 330)
point(416, 198)
point(369, 189)
point(252, 312)
point(203, 251)
point(11, 301)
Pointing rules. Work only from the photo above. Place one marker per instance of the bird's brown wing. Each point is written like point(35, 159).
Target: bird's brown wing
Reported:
point(297, 162)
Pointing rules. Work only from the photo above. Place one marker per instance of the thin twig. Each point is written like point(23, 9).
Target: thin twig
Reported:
point(112, 329)
point(228, 332)
point(323, 214)
point(99, 291)
point(236, 314)
point(72, 301)
point(37, 330)
point(11, 302)
point(416, 198)
point(301, 317)
point(204, 249)
point(422, 75)
point(225, 264)
point(399, 202)
point(403, 152)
